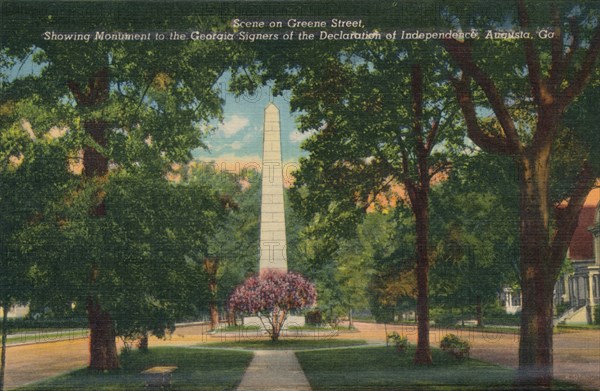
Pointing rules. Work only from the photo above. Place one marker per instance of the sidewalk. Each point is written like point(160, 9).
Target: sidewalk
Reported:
point(274, 370)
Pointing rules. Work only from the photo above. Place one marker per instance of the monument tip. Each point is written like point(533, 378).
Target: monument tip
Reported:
point(271, 107)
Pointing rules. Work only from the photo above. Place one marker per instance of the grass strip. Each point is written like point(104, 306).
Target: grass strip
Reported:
point(578, 327)
point(46, 336)
point(197, 369)
point(382, 368)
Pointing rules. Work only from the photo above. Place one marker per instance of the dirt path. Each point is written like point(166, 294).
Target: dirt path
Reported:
point(31, 363)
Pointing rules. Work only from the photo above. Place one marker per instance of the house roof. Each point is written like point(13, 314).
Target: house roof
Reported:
point(582, 243)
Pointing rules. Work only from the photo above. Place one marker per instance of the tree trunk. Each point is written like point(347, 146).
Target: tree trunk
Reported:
point(419, 198)
point(103, 347)
point(479, 310)
point(231, 318)
point(214, 315)
point(350, 320)
point(423, 352)
point(537, 275)
point(211, 267)
point(143, 342)
point(5, 310)
point(278, 318)
point(542, 255)
point(535, 346)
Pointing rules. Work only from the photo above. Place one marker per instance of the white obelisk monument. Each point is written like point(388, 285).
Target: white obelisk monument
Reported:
point(273, 252)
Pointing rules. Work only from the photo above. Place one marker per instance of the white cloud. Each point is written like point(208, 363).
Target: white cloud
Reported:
point(297, 137)
point(234, 124)
point(236, 145)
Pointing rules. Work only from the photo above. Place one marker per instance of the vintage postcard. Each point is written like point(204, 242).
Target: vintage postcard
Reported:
point(270, 195)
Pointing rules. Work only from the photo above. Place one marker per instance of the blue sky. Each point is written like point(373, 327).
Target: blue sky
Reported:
point(239, 137)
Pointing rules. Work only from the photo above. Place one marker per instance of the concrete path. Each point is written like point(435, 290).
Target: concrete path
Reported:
point(274, 370)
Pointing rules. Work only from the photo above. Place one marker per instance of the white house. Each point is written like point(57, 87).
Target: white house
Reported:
point(580, 289)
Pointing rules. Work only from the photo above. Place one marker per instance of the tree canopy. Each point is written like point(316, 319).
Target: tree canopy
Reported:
point(129, 107)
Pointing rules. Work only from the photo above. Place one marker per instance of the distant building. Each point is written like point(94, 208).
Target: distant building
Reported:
point(510, 299)
point(18, 311)
point(578, 293)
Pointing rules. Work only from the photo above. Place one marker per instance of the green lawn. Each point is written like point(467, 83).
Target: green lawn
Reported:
point(295, 344)
point(198, 369)
point(567, 327)
point(381, 368)
point(46, 335)
point(484, 329)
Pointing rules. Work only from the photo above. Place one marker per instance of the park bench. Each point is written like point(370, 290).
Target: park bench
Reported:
point(158, 378)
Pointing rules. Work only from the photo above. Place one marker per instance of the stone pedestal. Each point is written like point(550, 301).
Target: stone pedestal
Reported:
point(291, 320)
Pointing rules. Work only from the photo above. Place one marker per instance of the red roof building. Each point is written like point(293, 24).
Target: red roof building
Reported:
point(580, 289)
point(582, 243)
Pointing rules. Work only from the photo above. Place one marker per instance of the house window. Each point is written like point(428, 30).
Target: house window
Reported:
point(516, 299)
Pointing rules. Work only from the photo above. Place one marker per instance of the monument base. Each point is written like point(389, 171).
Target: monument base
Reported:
point(291, 320)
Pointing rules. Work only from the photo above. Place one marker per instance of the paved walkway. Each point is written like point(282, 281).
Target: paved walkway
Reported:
point(274, 370)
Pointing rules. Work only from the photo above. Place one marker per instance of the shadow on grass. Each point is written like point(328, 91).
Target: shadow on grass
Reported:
point(205, 370)
point(382, 368)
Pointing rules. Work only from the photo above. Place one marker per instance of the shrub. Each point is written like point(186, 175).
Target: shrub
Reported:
point(504, 320)
point(496, 315)
point(400, 342)
point(271, 296)
point(382, 313)
point(314, 317)
point(561, 308)
point(445, 318)
point(455, 346)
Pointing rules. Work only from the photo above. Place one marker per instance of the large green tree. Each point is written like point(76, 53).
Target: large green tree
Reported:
point(343, 270)
point(33, 172)
point(143, 275)
point(137, 104)
point(527, 86)
point(378, 110)
point(475, 228)
point(232, 253)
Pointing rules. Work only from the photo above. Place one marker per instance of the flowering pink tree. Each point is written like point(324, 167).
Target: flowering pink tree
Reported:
point(271, 295)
